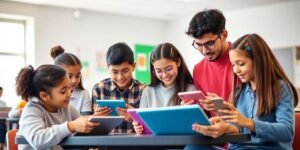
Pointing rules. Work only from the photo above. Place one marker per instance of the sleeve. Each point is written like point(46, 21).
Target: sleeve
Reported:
point(283, 128)
point(74, 112)
point(13, 112)
point(144, 99)
point(33, 128)
point(86, 102)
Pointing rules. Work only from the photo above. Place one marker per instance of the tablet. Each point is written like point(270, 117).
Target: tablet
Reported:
point(134, 116)
point(191, 95)
point(107, 124)
point(113, 104)
point(176, 120)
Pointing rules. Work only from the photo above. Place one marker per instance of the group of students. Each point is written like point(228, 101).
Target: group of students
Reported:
point(245, 74)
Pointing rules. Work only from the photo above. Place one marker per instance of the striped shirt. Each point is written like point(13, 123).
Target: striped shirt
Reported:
point(108, 90)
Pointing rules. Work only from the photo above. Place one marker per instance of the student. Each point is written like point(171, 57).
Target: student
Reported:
point(169, 75)
point(80, 98)
point(120, 85)
point(213, 74)
point(16, 110)
point(262, 103)
point(48, 118)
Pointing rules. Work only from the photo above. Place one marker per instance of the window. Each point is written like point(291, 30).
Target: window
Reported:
point(12, 57)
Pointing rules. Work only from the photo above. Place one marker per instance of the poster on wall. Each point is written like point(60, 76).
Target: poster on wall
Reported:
point(142, 57)
point(141, 62)
point(85, 70)
point(101, 63)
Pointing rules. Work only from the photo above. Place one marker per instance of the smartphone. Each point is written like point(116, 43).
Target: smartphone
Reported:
point(191, 95)
point(219, 103)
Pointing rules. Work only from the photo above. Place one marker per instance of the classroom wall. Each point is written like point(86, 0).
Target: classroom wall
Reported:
point(278, 24)
point(92, 32)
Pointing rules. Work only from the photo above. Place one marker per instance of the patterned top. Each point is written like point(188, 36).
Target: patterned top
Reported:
point(108, 90)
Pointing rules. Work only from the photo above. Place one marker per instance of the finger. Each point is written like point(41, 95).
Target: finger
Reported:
point(129, 106)
point(215, 119)
point(212, 94)
point(206, 101)
point(134, 123)
point(231, 107)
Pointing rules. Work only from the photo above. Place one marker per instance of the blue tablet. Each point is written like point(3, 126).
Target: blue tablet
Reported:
point(176, 120)
point(113, 104)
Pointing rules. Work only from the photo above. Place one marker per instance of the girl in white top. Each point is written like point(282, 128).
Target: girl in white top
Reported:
point(80, 98)
point(47, 118)
point(169, 75)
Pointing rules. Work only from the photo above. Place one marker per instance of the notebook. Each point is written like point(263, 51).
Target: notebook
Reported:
point(133, 114)
point(175, 120)
point(113, 104)
point(107, 124)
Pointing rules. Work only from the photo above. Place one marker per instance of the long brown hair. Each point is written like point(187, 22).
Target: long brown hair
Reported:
point(169, 51)
point(267, 71)
point(61, 58)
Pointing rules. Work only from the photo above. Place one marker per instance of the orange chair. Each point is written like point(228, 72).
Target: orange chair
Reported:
point(11, 139)
point(296, 143)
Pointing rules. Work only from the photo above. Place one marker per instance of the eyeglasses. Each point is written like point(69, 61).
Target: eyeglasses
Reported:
point(209, 44)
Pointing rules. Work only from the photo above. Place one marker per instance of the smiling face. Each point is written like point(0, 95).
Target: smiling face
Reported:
point(59, 96)
point(211, 45)
point(242, 65)
point(166, 71)
point(74, 74)
point(121, 74)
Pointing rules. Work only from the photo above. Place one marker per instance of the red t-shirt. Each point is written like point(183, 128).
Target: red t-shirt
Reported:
point(215, 76)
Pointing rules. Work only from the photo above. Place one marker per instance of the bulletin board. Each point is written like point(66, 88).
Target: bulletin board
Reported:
point(142, 57)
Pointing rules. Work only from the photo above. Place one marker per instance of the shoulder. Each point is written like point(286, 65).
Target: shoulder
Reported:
point(33, 107)
point(103, 83)
point(137, 83)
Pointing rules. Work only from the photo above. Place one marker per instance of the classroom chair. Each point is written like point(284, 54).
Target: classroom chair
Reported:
point(11, 139)
point(296, 143)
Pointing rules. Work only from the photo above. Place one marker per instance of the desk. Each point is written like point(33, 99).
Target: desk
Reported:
point(145, 140)
point(11, 122)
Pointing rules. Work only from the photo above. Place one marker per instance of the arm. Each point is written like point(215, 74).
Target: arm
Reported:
point(283, 127)
point(144, 99)
point(15, 112)
point(86, 102)
point(280, 129)
point(38, 135)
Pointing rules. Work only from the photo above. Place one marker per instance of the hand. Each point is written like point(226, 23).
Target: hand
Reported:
point(190, 102)
point(207, 103)
point(102, 111)
point(137, 128)
point(234, 116)
point(217, 129)
point(82, 125)
point(123, 112)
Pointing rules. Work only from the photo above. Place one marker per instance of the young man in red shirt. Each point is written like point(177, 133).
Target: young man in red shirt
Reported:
point(213, 74)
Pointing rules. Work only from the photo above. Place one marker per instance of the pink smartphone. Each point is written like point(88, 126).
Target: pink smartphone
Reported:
point(132, 113)
point(191, 95)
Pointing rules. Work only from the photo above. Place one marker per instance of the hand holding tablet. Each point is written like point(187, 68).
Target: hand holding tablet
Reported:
point(111, 106)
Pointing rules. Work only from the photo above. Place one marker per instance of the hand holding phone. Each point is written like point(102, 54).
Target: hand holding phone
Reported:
point(219, 103)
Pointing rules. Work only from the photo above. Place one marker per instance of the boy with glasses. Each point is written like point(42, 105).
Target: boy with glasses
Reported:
point(120, 85)
point(213, 74)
